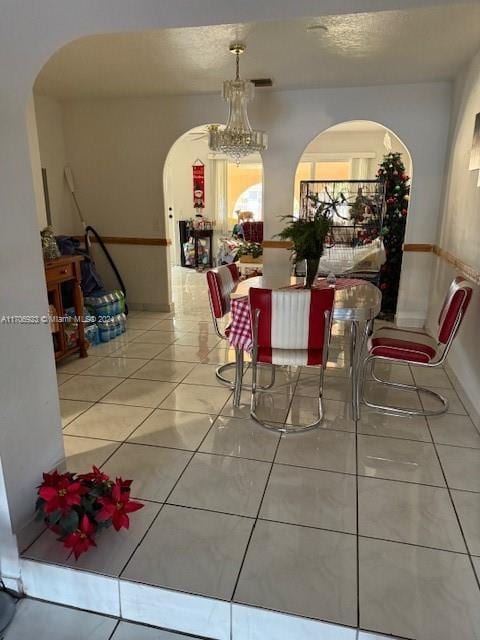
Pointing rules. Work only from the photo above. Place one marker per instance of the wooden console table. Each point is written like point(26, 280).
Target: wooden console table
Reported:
point(57, 272)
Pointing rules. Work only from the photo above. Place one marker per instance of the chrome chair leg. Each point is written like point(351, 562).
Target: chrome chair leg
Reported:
point(238, 377)
point(369, 363)
point(357, 367)
point(353, 344)
point(286, 428)
point(221, 369)
point(231, 383)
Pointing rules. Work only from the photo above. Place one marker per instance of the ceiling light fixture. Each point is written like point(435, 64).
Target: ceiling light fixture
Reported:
point(237, 138)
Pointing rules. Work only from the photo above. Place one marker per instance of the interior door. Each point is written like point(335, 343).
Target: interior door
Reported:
point(170, 223)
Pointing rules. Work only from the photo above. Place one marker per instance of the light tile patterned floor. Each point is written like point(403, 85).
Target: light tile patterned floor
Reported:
point(372, 525)
point(35, 620)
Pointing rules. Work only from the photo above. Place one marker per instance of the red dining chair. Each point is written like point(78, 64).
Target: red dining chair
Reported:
point(418, 348)
point(290, 327)
point(221, 282)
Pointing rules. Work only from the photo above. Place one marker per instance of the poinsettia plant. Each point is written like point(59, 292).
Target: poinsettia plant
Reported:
point(76, 507)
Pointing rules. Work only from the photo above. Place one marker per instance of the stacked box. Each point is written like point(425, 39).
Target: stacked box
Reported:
point(108, 311)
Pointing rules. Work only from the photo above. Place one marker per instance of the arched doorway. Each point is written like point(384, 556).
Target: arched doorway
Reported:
point(228, 189)
point(349, 153)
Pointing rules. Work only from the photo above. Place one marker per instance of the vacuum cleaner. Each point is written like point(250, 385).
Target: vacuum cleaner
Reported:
point(88, 229)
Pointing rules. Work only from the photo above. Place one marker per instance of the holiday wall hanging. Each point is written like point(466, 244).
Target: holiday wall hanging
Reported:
point(198, 169)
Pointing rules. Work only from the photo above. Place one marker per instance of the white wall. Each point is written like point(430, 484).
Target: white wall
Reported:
point(117, 149)
point(459, 232)
point(36, 164)
point(53, 157)
point(179, 184)
point(357, 142)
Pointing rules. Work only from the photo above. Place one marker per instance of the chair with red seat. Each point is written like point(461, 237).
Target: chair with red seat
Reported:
point(290, 327)
point(418, 348)
point(221, 282)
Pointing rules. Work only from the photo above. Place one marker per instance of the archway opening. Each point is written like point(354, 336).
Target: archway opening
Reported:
point(231, 193)
point(344, 160)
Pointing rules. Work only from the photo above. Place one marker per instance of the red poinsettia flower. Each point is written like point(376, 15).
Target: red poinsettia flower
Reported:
point(51, 479)
point(81, 539)
point(60, 493)
point(95, 476)
point(117, 506)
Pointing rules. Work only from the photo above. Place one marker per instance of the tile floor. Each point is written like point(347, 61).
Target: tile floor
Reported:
point(373, 525)
point(35, 620)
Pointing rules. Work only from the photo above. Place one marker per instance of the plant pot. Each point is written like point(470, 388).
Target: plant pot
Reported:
point(250, 259)
point(312, 270)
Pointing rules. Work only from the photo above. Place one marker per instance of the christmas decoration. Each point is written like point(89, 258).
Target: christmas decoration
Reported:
point(75, 507)
point(198, 169)
point(392, 172)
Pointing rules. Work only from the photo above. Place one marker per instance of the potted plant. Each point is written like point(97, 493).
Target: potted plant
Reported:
point(76, 507)
point(307, 236)
point(250, 252)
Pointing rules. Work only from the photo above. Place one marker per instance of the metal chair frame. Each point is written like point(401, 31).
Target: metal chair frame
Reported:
point(220, 370)
point(369, 366)
point(253, 401)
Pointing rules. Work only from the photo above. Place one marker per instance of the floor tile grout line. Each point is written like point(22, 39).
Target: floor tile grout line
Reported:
point(115, 628)
point(165, 501)
point(454, 385)
point(357, 521)
point(293, 395)
point(285, 464)
point(77, 416)
point(140, 542)
point(467, 547)
point(254, 524)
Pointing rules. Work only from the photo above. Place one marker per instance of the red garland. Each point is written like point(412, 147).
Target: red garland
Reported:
point(76, 506)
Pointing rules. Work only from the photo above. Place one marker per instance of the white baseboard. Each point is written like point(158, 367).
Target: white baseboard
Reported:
point(410, 319)
point(469, 400)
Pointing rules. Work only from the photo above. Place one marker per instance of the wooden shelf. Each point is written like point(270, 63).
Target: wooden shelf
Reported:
point(57, 272)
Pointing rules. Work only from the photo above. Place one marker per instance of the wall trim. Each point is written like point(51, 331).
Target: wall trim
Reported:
point(277, 244)
point(465, 269)
point(157, 242)
point(418, 248)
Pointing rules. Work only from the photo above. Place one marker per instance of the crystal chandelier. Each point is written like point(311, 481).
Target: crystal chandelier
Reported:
point(237, 138)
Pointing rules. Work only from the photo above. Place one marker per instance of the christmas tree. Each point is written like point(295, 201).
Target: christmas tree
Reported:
point(392, 172)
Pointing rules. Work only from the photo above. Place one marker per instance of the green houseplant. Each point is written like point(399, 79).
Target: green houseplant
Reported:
point(307, 236)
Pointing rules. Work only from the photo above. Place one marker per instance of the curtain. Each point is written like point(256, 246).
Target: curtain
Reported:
point(220, 213)
point(360, 169)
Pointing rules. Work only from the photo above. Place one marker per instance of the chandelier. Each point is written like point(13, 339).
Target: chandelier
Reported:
point(237, 138)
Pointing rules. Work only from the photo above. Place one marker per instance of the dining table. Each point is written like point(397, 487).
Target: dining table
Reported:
point(356, 303)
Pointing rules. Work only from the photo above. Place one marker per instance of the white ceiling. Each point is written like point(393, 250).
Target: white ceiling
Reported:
point(386, 47)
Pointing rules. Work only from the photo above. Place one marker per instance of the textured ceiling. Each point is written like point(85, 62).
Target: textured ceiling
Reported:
point(386, 47)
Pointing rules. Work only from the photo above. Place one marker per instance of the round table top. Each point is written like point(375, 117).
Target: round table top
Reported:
point(361, 302)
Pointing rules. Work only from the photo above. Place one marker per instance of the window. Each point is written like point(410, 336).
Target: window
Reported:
point(245, 192)
point(250, 200)
point(319, 170)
